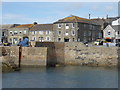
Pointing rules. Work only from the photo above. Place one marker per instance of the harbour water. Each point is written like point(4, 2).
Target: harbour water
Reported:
point(62, 77)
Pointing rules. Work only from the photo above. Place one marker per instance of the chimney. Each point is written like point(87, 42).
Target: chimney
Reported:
point(35, 23)
point(107, 16)
point(89, 16)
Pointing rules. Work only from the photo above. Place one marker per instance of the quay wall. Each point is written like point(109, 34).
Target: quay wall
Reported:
point(62, 54)
point(79, 54)
point(34, 56)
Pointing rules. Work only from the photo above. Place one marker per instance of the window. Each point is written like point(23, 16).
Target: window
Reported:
point(41, 32)
point(59, 32)
point(15, 32)
point(66, 33)
point(41, 39)
point(59, 39)
point(73, 32)
point(84, 25)
point(10, 39)
point(67, 26)
point(85, 33)
point(34, 38)
point(90, 33)
point(59, 25)
point(32, 32)
point(73, 25)
point(90, 26)
point(47, 38)
point(47, 32)
point(118, 32)
point(109, 32)
point(20, 32)
point(25, 32)
point(10, 32)
point(73, 39)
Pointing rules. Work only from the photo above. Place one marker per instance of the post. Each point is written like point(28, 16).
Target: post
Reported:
point(20, 55)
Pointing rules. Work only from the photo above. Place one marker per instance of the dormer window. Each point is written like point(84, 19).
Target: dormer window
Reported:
point(59, 25)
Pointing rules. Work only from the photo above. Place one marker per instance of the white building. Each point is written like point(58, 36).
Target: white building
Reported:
point(112, 33)
point(116, 22)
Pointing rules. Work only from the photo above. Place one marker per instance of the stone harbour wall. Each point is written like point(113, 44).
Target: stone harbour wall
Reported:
point(62, 54)
point(33, 56)
point(79, 54)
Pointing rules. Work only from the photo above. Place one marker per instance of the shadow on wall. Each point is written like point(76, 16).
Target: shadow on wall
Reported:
point(51, 57)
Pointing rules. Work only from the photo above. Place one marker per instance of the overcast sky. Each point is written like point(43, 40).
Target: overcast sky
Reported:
point(49, 12)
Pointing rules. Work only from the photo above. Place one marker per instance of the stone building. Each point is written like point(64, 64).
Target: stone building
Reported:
point(112, 33)
point(42, 33)
point(104, 22)
point(18, 33)
point(76, 29)
point(4, 31)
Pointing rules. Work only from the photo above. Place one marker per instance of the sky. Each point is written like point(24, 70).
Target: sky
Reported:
point(49, 12)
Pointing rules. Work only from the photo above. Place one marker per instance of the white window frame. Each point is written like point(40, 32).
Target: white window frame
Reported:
point(59, 32)
point(11, 32)
point(25, 32)
point(15, 32)
point(32, 32)
point(73, 33)
point(66, 26)
point(41, 32)
point(66, 33)
point(59, 25)
point(20, 31)
point(48, 38)
point(47, 32)
point(73, 25)
point(109, 32)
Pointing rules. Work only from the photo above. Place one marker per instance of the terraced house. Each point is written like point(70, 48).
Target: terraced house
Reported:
point(76, 29)
point(18, 33)
point(42, 33)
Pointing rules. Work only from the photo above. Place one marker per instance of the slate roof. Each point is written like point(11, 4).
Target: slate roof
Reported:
point(73, 18)
point(39, 27)
point(116, 27)
point(25, 26)
point(7, 26)
point(101, 21)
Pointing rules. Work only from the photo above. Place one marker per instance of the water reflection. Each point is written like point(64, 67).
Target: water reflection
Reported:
point(62, 77)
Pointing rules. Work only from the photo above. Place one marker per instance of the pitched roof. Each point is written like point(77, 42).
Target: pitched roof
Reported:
point(25, 26)
point(38, 27)
point(7, 26)
point(101, 21)
point(116, 27)
point(75, 19)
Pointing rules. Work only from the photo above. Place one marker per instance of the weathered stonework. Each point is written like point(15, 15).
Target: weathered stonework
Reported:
point(49, 54)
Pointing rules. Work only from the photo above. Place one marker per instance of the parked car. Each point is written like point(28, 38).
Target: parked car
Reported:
point(118, 44)
point(96, 43)
point(6, 44)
